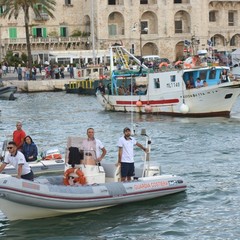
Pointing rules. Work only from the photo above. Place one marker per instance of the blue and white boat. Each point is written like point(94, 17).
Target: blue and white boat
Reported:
point(164, 91)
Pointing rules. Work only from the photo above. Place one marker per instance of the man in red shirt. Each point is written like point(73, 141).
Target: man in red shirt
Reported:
point(19, 135)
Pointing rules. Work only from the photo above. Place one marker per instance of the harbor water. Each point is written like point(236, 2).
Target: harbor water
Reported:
point(205, 151)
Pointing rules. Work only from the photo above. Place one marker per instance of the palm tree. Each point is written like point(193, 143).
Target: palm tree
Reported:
point(12, 8)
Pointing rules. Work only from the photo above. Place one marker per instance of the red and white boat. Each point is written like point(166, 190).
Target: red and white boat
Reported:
point(164, 91)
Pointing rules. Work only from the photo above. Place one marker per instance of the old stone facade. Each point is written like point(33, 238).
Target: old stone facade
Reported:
point(144, 27)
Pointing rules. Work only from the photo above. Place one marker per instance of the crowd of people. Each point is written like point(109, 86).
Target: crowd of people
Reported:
point(45, 71)
point(22, 150)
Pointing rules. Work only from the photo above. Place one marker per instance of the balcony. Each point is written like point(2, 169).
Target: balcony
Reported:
point(40, 43)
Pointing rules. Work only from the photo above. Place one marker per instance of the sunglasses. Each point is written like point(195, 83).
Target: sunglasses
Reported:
point(9, 147)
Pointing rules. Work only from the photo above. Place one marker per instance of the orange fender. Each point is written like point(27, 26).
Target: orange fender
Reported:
point(53, 156)
point(79, 179)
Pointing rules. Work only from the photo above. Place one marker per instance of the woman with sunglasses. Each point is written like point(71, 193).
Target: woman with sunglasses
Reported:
point(18, 161)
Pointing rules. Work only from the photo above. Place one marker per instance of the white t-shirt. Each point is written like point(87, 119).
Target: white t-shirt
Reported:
point(127, 152)
point(16, 160)
point(94, 147)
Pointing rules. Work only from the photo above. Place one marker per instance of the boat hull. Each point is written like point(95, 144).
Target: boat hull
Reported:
point(7, 93)
point(214, 101)
point(21, 199)
point(40, 167)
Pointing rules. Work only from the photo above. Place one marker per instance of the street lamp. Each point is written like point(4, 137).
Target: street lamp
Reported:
point(141, 31)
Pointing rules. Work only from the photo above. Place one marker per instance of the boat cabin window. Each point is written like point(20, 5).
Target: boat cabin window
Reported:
point(156, 83)
point(212, 74)
point(173, 78)
point(203, 74)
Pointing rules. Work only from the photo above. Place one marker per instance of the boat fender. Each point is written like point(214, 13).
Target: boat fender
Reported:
point(184, 108)
point(53, 156)
point(139, 103)
point(79, 179)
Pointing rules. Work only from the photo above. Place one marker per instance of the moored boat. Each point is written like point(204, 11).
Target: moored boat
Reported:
point(165, 91)
point(87, 80)
point(87, 187)
point(7, 92)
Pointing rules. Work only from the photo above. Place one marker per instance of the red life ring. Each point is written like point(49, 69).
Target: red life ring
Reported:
point(178, 63)
point(79, 179)
point(163, 64)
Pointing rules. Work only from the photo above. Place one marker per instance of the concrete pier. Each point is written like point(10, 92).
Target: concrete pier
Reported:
point(38, 85)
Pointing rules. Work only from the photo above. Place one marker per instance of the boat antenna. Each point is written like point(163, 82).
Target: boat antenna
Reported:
point(133, 125)
point(147, 154)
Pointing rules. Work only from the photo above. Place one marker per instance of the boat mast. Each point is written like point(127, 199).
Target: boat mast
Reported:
point(92, 33)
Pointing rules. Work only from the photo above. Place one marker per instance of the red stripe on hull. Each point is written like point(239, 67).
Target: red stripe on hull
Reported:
point(152, 102)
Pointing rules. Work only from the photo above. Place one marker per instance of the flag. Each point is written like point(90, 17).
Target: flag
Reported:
point(209, 42)
point(186, 43)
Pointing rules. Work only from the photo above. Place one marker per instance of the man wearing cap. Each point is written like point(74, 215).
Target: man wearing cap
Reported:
point(126, 154)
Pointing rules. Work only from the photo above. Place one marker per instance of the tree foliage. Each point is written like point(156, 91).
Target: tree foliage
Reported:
point(14, 8)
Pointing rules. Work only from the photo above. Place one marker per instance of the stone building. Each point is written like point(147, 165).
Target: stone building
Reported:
point(169, 28)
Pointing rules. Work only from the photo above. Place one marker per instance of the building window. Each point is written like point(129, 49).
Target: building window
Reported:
point(143, 1)
point(111, 2)
point(144, 27)
point(112, 30)
point(63, 32)
point(39, 32)
point(68, 2)
point(1, 9)
point(212, 16)
point(230, 18)
point(12, 33)
point(177, 1)
point(178, 27)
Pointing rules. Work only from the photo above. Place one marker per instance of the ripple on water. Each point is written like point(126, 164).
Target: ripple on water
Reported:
point(204, 151)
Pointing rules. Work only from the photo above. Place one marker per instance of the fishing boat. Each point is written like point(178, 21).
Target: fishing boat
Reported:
point(84, 187)
point(7, 92)
point(87, 80)
point(165, 90)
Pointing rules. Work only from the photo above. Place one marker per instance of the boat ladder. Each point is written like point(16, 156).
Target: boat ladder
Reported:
point(122, 57)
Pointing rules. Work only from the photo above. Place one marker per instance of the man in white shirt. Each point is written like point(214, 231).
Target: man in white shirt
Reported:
point(18, 161)
point(126, 154)
point(93, 148)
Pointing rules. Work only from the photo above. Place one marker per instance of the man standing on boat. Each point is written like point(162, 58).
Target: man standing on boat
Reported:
point(126, 154)
point(19, 135)
point(93, 147)
point(18, 161)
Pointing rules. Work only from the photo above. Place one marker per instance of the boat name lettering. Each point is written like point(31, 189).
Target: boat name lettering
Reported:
point(173, 84)
point(30, 185)
point(151, 185)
